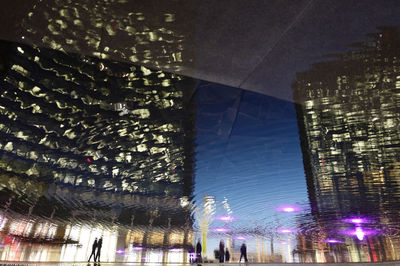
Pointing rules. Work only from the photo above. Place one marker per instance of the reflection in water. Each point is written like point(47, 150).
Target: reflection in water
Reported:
point(349, 116)
point(248, 164)
point(22, 244)
point(91, 148)
point(154, 33)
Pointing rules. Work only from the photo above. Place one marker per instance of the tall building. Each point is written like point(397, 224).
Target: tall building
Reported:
point(92, 140)
point(152, 33)
point(348, 112)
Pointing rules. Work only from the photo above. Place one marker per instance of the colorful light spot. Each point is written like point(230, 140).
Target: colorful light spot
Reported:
point(288, 209)
point(120, 251)
point(225, 218)
point(332, 241)
point(286, 230)
point(359, 233)
point(220, 229)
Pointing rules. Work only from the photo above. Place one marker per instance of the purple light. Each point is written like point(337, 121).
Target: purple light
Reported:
point(120, 251)
point(225, 218)
point(356, 220)
point(333, 241)
point(241, 237)
point(220, 229)
point(360, 233)
point(283, 243)
point(286, 230)
point(288, 209)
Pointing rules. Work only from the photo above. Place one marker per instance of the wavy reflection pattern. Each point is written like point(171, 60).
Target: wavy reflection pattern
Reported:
point(90, 142)
point(348, 113)
point(153, 33)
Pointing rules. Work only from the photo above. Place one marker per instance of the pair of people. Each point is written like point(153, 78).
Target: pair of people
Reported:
point(96, 249)
point(223, 254)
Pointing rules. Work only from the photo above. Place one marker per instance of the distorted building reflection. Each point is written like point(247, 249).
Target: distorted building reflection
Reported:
point(97, 144)
point(348, 116)
point(129, 31)
point(43, 240)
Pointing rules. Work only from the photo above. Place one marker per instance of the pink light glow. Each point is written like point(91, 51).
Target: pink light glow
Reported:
point(286, 230)
point(288, 209)
point(359, 233)
point(120, 251)
point(220, 229)
point(356, 220)
point(333, 241)
point(225, 218)
point(241, 237)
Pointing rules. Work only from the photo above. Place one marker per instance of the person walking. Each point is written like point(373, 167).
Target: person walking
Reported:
point(192, 254)
point(99, 244)
point(198, 252)
point(243, 252)
point(221, 251)
point(227, 255)
point(94, 246)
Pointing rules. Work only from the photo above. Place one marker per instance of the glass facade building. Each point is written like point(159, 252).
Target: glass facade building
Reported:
point(140, 32)
point(170, 128)
point(348, 115)
point(85, 139)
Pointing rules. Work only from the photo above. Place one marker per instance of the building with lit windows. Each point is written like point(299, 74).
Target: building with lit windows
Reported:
point(126, 31)
point(348, 117)
point(91, 142)
point(87, 140)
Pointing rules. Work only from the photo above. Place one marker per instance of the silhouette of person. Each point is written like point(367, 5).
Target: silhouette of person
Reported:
point(191, 254)
point(243, 252)
point(99, 243)
point(198, 251)
point(221, 251)
point(227, 255)
point(94, 246)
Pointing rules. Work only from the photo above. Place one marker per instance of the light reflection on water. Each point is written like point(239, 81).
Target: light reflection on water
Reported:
point(48, 243)
point(154, 162)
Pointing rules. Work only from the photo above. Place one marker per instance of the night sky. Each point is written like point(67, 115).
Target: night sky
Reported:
point(249, 153)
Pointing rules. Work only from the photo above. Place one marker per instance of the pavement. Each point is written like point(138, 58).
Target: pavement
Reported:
point(26, 263)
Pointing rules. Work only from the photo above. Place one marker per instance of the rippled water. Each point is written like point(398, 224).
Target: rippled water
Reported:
point(155, 163)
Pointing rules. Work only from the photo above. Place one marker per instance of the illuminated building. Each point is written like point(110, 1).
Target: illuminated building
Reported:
point(93, 142)
point(48, 242)
point(90, 140)
point(127, 31)
point(348, 116)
